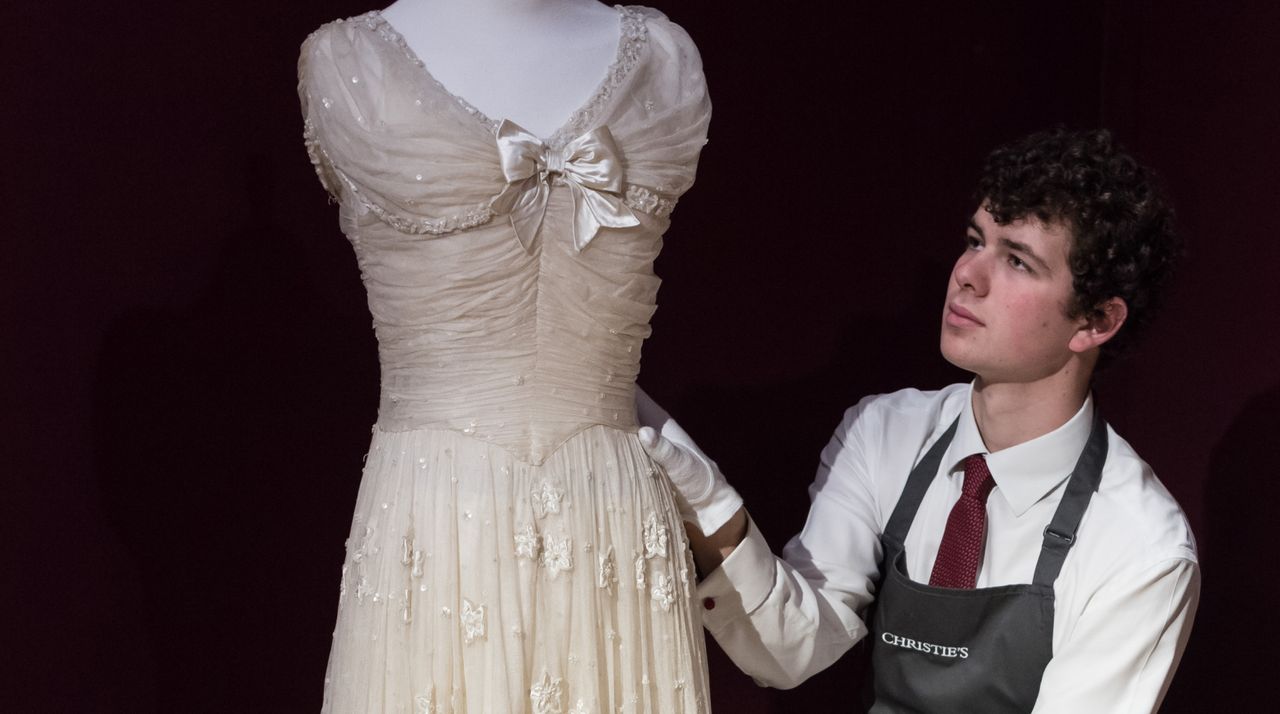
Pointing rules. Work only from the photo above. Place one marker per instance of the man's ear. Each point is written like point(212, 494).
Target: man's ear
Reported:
point(1101, 325)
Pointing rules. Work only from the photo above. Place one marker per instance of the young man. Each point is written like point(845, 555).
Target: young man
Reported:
point(1001, 548)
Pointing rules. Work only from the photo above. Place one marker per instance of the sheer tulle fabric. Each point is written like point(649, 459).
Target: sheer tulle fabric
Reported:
point(512, 549)
point(474, 577)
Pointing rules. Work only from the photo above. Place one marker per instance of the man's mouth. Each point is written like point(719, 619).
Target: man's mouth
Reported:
point(959, 317)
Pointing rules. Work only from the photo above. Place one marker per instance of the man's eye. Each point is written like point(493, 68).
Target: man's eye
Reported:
point(1019, 263)
point(972, 241)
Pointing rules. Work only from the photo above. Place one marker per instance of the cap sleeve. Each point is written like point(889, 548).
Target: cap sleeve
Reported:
point(383, 138)
point(312, 52)
point(667, 112)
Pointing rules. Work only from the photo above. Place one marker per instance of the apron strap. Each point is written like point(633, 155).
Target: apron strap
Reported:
point(917, 483)
point(1060, 534)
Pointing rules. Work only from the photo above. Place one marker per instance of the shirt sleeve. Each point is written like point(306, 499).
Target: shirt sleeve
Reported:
point(1122, 653)
point(781, 620)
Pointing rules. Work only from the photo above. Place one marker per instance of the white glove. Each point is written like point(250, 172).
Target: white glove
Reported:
point(707, 499)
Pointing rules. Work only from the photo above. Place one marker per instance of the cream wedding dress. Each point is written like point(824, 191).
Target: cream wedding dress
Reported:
point(513, 548)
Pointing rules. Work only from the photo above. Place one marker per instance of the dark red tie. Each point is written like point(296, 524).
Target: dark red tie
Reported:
point(961, 549)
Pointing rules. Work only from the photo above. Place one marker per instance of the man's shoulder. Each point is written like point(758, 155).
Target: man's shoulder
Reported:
point(909, 408)
point(901, 423)
point(1146, 521)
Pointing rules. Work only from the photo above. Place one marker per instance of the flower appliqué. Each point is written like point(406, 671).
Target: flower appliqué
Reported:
point(557, 555)
point(580, 708)
point(528, 543)
point(607, 575)
point(545, 695)
point(655, 537)
point(640, 575)
point(472, 619)
point(546, 499)
point(663, 592)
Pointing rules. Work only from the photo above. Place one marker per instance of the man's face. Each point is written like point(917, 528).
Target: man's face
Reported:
point(1005, 317)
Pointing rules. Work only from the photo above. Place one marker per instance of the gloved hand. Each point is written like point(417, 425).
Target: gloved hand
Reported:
point(707, 499)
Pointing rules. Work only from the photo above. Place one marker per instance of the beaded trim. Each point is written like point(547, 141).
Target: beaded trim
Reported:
point(634, 36)
point(642, 199)
point(319, 160)
point(477, 216)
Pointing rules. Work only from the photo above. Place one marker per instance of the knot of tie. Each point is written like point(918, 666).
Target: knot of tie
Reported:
point(977, 478)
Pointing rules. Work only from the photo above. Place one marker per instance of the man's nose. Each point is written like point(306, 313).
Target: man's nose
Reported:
point(973, 271)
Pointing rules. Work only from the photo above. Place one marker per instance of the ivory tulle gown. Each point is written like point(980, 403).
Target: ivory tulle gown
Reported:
point(512, 549)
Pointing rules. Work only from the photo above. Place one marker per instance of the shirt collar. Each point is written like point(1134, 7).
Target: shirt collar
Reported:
point(1025, 473)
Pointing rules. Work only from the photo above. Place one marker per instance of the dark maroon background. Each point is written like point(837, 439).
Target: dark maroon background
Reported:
point(190, 375)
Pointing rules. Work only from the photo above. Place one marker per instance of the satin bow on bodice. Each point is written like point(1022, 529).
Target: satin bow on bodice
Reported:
point(589, 166)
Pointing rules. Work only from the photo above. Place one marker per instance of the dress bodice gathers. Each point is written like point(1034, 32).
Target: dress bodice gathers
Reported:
point(510, 278)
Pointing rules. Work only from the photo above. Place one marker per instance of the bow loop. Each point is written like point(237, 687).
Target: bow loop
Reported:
point(520, 153)
point(589, 166)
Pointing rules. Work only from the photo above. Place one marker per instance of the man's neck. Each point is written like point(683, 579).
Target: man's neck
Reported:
point(1010, 413)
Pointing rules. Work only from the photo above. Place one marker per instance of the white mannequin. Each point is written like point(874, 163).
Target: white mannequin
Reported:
point(534, 62)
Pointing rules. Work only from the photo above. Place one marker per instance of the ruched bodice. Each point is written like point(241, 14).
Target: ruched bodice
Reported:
point(522, 349)
point(508, 306)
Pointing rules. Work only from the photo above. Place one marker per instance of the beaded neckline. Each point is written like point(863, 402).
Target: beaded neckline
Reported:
point(633, 36)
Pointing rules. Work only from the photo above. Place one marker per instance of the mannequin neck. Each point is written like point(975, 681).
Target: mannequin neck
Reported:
point(534, 62)
point(541, 14)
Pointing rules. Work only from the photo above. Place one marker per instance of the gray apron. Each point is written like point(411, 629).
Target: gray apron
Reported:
point(981, 651)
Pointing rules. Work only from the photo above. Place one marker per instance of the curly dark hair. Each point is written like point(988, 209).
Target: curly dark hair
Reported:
point(1121, 223)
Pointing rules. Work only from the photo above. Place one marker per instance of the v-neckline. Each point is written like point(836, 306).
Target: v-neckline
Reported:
point(632, 35)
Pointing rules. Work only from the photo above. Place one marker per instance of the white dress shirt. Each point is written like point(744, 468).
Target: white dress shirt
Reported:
point(1125, 598)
